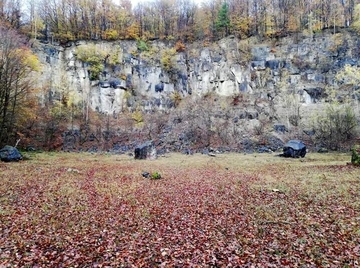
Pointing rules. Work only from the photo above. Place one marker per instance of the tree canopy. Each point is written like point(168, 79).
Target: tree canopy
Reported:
point(66, 20)
point(17, 63)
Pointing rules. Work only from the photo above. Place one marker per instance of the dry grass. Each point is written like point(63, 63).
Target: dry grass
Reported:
point(88, 210)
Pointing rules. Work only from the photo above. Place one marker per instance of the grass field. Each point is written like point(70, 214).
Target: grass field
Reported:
point(233, 210)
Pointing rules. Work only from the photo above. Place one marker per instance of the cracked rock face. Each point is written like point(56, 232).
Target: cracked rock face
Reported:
point(226, 68)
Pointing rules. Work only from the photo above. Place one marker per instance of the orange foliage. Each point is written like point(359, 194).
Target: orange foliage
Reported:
point(133, 31)
point(180, 46)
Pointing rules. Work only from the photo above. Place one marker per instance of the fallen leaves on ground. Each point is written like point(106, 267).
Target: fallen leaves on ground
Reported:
point(107, 215)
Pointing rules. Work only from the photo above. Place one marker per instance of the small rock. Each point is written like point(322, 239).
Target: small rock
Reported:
point(73, 170)
point(145, 174)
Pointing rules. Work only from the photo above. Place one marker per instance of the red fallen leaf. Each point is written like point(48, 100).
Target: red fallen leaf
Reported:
point(284, 261)
point(356, 250)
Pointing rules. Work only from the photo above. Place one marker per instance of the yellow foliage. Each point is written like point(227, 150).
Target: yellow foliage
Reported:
point(338, 40)
point(176, 98)
point(123, 76)
point(133, 31)
point(87, 53)
point(111, 34)
point(114, 58)
point(29, 60)
point(294, 23)
point(349, 75)
point(317, 26)
point(64, 37)
point(240, 26)
point(27, 111)
point(147, 35)
point(170, 38)
point(138, 117)
point(167, 59)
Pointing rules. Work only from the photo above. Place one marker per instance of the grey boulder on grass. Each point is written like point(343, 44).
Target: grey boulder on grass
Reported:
point(9, 153)
point(294, 148)
point(147, 150)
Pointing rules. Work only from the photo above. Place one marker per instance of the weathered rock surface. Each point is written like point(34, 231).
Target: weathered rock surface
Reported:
point(227, 67)
point(249, 88)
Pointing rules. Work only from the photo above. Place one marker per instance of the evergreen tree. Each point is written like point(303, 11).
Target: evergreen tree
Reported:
point(223, 20)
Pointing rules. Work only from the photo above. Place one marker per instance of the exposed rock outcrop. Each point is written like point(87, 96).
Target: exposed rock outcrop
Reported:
point(300, 65)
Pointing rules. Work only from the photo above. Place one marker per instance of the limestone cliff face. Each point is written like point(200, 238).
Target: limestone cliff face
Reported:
point(300, 65)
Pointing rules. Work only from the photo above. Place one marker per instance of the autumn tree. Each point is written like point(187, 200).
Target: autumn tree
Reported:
point(290, 100)
point(167, 15)
point(206, 21)
point(10, 13)
point(17, 64)
point(66, 20)
point(148, 20)
point(336, 126)
point(125, 23)
point(239, 18)
point(33, 24)
point(186, 19)
point(356, 23)
point(348, 79)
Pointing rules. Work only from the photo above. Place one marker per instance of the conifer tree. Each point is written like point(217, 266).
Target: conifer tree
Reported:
point(223, 20)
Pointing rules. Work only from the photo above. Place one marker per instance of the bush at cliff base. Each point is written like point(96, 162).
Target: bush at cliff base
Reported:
point(355, 157)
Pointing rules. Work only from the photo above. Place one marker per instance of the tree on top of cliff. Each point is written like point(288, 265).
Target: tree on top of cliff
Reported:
point(177, 19)
point(223, 21)
point(10, 13)
point(356, 23)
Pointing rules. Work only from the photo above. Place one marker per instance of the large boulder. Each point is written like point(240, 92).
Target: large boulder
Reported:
point(294, 148)
point(355, 156)
point(9, 153)
point(147, 150)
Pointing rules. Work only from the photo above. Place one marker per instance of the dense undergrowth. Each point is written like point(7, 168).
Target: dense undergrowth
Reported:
point(83, 210)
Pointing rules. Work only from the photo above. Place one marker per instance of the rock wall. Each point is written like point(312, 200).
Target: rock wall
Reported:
point(302, 65)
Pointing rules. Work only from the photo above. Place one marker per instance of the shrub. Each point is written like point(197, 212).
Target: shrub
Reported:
point(111, 34)
point(168, 59)
point(141, 45)
point(89, 53)
point(95, 70)
point(180, 46)
point(355, 156)
point(337, 41)
point(176, 98)
point(137, 116)
point(94, 57)
point(155, 176)
point(335, 127)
